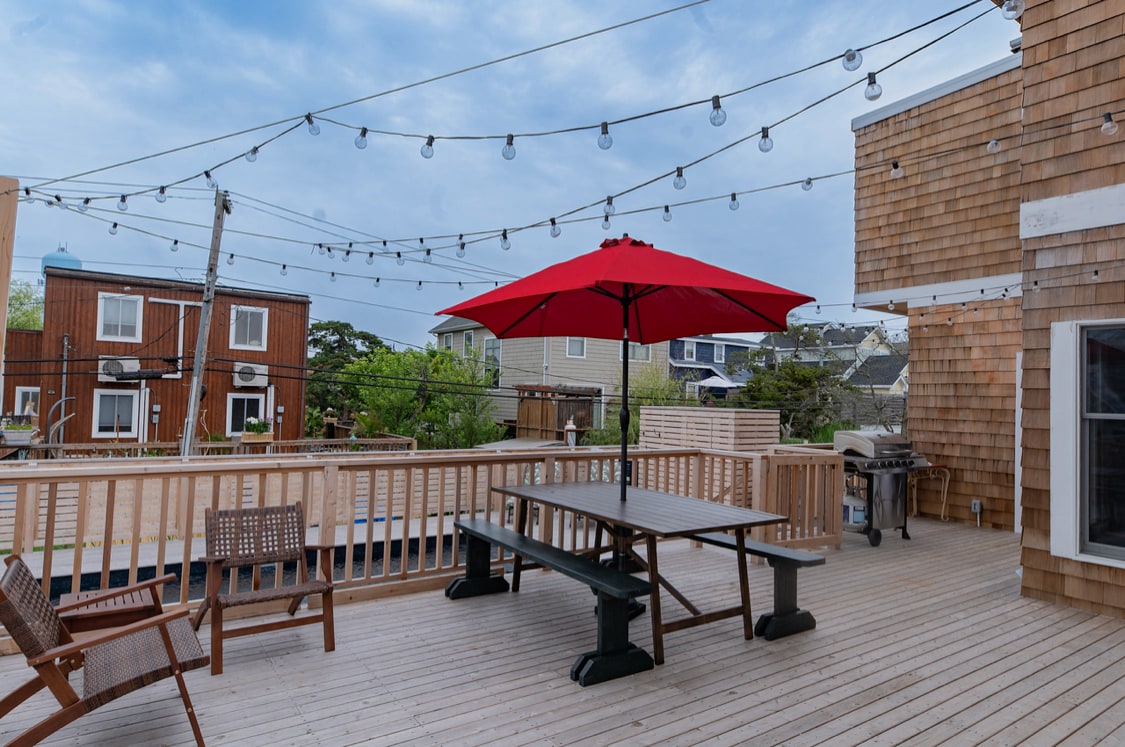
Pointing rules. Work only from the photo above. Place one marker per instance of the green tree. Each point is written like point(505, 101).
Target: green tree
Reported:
point(25, 306)
point(647, 386)
point(335, 345)
point(434, 396)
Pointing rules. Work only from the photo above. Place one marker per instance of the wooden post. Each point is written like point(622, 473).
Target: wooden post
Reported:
point(9, 199)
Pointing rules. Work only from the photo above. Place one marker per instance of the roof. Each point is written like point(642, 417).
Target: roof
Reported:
point(455, 324)
point(165, 283)
point(879, 370)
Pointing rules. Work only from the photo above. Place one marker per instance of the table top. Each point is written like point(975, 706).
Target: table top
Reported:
point(648, 511)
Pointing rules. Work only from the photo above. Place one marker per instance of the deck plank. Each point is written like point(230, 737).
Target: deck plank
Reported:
point(924, 641)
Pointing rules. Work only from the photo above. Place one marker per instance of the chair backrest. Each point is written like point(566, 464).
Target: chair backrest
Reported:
point(26, 612)
point(250, 536)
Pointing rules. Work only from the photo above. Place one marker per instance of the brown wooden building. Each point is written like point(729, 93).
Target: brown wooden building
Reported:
point(1003, 241)
point(119, 349)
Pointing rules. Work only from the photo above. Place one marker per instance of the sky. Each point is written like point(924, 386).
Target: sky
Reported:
point(91, 84)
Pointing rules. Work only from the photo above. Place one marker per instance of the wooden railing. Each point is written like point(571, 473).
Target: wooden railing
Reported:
point(41, 451)
point(391, 514)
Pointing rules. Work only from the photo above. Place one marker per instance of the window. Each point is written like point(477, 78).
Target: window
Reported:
point(447, 341)
point(1088, 441)
point(248, 328)
point(467, 343)
point(576, 347)
point(115, 414)
point(119, 317)
point(27, 397)
point(492, 361)
point(638, 352)
point(689, 350)
point(720, 352)
point(242, 406)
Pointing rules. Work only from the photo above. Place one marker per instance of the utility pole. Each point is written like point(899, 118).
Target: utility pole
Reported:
point(222, 209)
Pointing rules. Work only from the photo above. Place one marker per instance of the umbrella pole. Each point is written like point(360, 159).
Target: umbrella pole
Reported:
point(625, 472)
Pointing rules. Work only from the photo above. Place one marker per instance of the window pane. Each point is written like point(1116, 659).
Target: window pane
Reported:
point(1105, 356)
point(576, 347)
point(242, 408)
point(115, 413)
point(1105, 494)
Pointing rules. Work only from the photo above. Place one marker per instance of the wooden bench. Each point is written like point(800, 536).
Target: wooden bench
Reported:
point(257, 537)
point(615, 656)
point(786, 618)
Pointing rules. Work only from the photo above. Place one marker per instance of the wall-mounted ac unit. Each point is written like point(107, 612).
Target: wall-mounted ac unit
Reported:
point(110, 368)
point(251, 374)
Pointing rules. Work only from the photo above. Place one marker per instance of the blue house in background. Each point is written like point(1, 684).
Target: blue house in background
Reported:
point(701, 362)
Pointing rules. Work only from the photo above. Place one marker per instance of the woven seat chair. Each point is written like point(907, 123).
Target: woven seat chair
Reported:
point(256, 537)
point(113, 662)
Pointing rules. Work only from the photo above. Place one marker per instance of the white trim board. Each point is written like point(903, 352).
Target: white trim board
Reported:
point(1093, 208)
point(957, 291)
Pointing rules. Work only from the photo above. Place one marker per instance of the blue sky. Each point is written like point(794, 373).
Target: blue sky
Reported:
point(93, 83)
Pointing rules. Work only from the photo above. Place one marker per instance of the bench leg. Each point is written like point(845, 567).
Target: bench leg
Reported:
point(786, 618)
point(479, 578)
point(615, 656)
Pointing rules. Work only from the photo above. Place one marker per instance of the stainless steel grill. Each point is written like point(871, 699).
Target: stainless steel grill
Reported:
point(880, 463)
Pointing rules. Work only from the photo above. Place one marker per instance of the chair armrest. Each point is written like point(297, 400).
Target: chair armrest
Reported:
point(119, 591)
point(76, 647)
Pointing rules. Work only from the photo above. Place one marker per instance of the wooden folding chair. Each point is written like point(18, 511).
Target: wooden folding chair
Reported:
point(113, 661)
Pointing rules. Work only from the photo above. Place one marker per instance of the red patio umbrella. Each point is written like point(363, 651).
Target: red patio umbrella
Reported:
point(630, 291)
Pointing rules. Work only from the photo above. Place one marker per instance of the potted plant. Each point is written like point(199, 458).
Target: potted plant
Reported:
point(257, 430)
point(17, 434)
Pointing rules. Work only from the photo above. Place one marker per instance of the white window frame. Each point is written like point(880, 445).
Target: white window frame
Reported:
point(231, 397)
point(1066, 437)
point(235, 310)
point(689, 350)
point(120, 297)
point(132, 394)
point(720, 353)
point(580, 340)
point(499, 358)
point(23, 394)
point(467, 348)
point(447, 341)
point(638, 348)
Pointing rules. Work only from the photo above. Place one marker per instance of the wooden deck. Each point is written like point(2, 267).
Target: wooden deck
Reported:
point(922, 642)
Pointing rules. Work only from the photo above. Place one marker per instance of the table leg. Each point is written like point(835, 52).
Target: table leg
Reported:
point(522, 528)
point(744, 585)
point(654, 601)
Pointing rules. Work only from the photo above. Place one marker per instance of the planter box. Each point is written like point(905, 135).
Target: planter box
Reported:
point(257, 438)
point(18, 438)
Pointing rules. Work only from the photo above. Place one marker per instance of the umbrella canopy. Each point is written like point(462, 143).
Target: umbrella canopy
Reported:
point(630, 291)
point(717, 382)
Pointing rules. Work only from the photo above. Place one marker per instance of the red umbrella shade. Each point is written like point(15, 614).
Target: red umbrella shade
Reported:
point(666, 295)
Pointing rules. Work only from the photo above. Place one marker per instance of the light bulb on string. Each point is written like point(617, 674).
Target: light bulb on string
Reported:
point(284, 270)
point(718, 116)
point(504, 243)
point(314, 128)
point(555, 230)
point(27, 195)
point(818, 308)
point(427, 258)
point(370, 258)
point(230, 259)
point(122, 204)
point(377, 281)
point(1012, 9)
point(427, 150)
point(605, 223)
point(679, 182)
point(175, 245)
point(608, 208)
point(993, 146)
point(399, 259)
point(210, 180)
point(320, 249)
point(460, 245)
point(949, 321)
point(113, 230)
point(347, 255)
point(361, 139)
point(1109, 127)
point(251, 155)
point(84, 205)
point(873, 90)
point(851, 60)
point(509, 149)
point(896, 170)
point(605, 140)
point(854, 309)
point(891, 306)
point(807, 183)
point(766, 143)
point(667, 214)
point(733, 204)
point(332, 276)
point(161, 195)
point(419, 286)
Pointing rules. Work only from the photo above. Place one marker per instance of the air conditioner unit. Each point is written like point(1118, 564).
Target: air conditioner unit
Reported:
point(110, 367)
point(251, 374)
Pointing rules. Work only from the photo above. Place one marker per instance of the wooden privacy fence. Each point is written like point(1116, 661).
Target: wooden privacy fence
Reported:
point(391, 514)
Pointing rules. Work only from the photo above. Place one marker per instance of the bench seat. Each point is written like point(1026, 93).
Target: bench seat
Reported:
point(787, 618)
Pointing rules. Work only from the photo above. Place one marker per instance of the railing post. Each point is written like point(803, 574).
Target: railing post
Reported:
point(328, 493)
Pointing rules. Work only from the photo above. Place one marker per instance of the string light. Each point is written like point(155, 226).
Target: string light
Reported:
point(1012, 9)
point(733, 204)
point(679, 182)
point(27, 195)
point(609, 209)
point(419, 287)
point(332, 276)
point(504, 243)
point(460, 245)
point(766, 143)
point(370, 258)
point(667, 214)
point(605, 140)
point(605, 223)
point(175, 245)
point(361, 139)
point(84, 205)
point(252, 155)
point(122, 205)
point(807, 183)
point(284, 270)
point(555, 230)
point(718, 116)
point(818, 308)
point(891, 306)
point(993, 146)
point(314, 128)
point(161, 196)
point(376, 282)
point(113, 230)
point(852, 60)
point(873, 90)
point(210, 180)
point(399, 259)
point(509, 149)
point(1109, 127)
point(230, 259)
point(854, 309)
point(427, 150)
point(896, 170)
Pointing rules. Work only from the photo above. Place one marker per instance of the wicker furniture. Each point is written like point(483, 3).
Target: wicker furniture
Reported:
point(257, 538)
point(114, 661)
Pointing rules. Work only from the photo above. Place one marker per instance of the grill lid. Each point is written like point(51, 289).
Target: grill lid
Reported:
point(872, 444)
